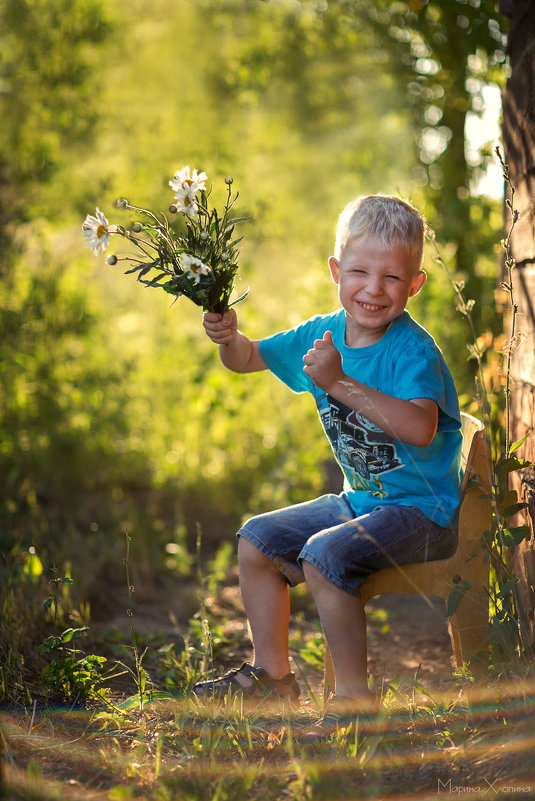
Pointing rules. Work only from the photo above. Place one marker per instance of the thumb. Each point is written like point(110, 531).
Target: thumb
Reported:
point(229, 317)
point(328, 337)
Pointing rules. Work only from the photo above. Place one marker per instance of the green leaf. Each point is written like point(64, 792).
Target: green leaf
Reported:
point(242, 297)
point(50, 644)
point(235, 242)
point(142, 680)
point(513, 509)
point(518, 443)
point(144, 270)
point(73, 634)
point(171, 288)
point(158, 277)
point(238, 220)
point(505, 466)
point(506, 589)
point(134, 269)
point(132, 702)
point(395, 682)
point(93, 659)
point(160, 695)
point(153, 281)
point(455, 596)
point(487, 537)
point(48, 603)
point(417, 685)
point(515, 535)
point(507, 499)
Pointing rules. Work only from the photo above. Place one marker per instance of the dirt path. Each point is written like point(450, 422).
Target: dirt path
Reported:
point(418, 640)
point(406, 635)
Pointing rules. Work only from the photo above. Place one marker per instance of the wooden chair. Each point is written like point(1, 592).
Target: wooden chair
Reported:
point(469, 624)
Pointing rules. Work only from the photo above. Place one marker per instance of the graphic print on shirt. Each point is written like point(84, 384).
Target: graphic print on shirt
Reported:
point(361, 448)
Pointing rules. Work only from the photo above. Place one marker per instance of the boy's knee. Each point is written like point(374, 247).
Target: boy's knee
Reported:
point(249, 554)
point(312, 574)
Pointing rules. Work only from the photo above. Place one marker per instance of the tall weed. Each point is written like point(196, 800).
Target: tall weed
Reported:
point(508, 629)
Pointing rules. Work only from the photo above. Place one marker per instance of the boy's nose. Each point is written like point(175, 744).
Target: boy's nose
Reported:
point(374, 286)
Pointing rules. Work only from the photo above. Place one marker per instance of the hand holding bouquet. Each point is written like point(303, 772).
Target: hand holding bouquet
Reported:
point(199, 261)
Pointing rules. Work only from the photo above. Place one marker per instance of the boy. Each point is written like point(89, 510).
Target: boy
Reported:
point(388, 405)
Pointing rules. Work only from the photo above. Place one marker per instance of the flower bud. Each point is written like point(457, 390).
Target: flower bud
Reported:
point(122, 203)
point(111, 260)
point(205, 236)
point(225, 255)
point(229, 180)
point(137, 227)
point(173, 209)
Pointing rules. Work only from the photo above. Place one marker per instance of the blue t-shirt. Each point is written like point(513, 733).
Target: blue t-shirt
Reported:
point(405, 363)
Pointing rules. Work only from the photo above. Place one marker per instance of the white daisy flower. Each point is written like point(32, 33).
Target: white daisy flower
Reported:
point(97, 232)
point(193, 267)
point(185, 202)
point(184, 181)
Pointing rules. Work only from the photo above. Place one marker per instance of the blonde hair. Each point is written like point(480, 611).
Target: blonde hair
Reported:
point(390, 221)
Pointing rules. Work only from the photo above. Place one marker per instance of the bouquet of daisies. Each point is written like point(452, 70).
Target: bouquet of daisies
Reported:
point(198, 259)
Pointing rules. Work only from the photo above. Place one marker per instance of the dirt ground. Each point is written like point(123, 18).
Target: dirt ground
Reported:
point(418, 638)
point(419, 756)
point(416, 642)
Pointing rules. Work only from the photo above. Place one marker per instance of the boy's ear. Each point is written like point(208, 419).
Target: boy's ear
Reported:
point(418, 283)
point(334, 267)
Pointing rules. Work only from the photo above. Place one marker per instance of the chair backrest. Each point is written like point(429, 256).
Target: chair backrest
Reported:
point(476, 485)
point(475, 456)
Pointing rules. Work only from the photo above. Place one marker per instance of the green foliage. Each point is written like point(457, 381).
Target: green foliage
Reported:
point(58, 422)
point(508, 629)
point(311, 651)
point(48, 95)
point(69, 678)
point(116, 412)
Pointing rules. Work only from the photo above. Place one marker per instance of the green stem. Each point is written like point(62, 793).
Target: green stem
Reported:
point(130, 614)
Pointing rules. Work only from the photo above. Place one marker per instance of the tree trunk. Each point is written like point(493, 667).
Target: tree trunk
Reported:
point(519, 147)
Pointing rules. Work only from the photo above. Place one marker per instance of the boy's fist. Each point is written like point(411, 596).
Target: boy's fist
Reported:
point(221, 328)
point(323, 363)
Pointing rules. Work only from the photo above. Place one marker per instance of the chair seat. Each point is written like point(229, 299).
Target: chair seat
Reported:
point(467, 570)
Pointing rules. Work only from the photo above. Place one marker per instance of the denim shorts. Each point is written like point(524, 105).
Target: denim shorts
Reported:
point(344, 548)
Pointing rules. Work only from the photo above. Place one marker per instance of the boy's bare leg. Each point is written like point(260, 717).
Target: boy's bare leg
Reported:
point(344, 624)
point(266, 600)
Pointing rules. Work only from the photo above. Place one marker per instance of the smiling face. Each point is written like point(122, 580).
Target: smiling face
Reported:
point(374, 285)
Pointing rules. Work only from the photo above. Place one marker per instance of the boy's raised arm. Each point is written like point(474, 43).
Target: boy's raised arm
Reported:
point(237, 351)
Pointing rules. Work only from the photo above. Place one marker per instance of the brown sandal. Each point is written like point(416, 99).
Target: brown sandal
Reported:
point(261, 687)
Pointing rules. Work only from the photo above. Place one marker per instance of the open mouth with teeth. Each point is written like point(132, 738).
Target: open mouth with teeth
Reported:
point(371, 307)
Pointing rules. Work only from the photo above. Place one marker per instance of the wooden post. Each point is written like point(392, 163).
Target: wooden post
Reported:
point(519, 152)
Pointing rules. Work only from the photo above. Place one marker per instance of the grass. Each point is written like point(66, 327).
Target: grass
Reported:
point(180, 750)
point(458, 737)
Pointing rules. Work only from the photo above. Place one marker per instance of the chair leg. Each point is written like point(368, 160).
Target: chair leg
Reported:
point(469, 632)
point(328, 673)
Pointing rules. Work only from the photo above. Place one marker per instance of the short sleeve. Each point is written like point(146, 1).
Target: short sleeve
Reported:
point(421, 372)
point(283, 353)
